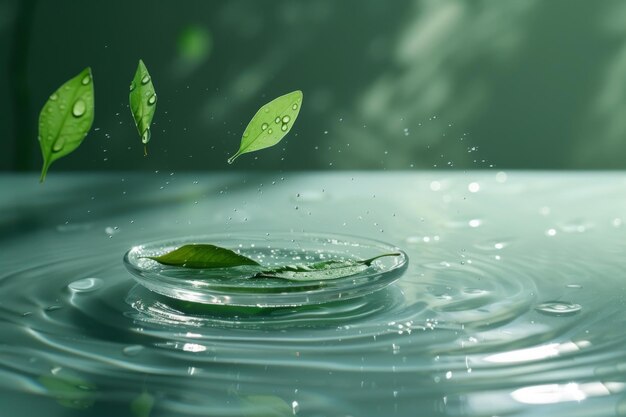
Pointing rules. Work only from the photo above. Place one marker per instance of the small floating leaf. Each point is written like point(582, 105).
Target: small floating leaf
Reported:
point(206, 256)
point(65, 119)
point(203, 256)
point(142, 102)
point(259, 134)
point(265, 406)
point(69, 390)
point(142, 405)
point(321, 271)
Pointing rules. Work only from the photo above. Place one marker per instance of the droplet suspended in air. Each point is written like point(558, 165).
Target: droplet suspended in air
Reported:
point(264, 126)
point(286, 119)
point(152, 99)
point(145, 136)
point(79, 108)
point(145, 80)
point(86, 80)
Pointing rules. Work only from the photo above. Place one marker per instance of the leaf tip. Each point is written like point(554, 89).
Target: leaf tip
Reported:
point(232, 158)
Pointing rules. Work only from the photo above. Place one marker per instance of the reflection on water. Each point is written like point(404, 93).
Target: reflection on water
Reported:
point(494, 319)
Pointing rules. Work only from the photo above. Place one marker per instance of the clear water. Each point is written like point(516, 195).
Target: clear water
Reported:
point(513, 303)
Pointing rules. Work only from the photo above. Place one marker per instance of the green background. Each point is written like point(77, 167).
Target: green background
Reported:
point(387, 84)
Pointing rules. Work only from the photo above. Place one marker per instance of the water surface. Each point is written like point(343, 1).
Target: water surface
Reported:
point(512, 304)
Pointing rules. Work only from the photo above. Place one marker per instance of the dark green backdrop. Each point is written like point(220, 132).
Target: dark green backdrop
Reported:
point(388, 84)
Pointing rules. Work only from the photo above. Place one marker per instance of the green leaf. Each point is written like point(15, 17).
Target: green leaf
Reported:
point(321, 271)
point(65, 119)
point(142, 102)
point(264, 406)
point(270, 124)
point(69, 390)
point(202, 255)
point(206, 256)
point(142, 405)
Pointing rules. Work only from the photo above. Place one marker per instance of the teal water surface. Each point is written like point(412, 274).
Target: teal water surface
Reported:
point(512, 303)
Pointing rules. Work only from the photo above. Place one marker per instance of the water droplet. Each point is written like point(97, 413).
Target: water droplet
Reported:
point(558, 308)
point(277, 120)
point(269, 131)
point(85, 285)
point(145, 136)
point(145, 80)
point(59, 144)
point(152, 99)
point(111, 230)
point(266, 110)
point(295, 106)
point(264, 126)
point(132, 350)
point(286, 119)
point(132, 86)
point(54, 96)
point(86, 79)
point(284, 128)
point(79, 108)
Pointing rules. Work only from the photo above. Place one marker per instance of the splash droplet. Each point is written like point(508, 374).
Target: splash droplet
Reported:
point(85, 285)
point(79, 108)
point(558, 308)
point(132, 350)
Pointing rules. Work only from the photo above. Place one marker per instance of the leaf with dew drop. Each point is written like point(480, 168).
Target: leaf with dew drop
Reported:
point(142, 100)
point(270, 124)
point(65, 119)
